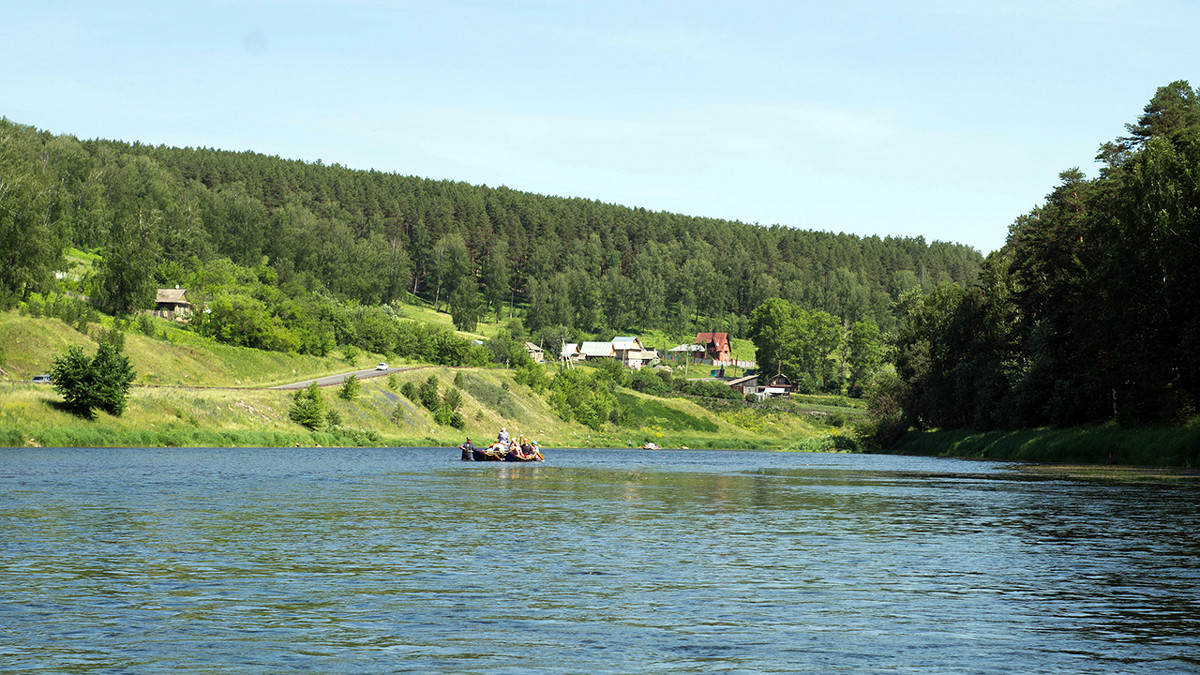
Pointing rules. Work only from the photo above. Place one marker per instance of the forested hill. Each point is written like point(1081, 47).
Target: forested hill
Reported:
point(161, 214)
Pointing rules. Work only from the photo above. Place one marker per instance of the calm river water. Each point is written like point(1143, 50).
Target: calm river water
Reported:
point(407, 560)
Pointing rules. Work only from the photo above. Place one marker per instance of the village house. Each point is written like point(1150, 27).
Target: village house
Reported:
point(681, 353)
point(631, 352)
point(570, 352)
point(780, 386)
point(716, 347)
point(172, 303)
point(596, 350)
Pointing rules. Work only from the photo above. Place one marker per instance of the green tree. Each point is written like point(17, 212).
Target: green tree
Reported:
point(428, 393)
point(865, 354)
point(307, 407)
point(497, 275)
point(350, 388)
point(101, 382)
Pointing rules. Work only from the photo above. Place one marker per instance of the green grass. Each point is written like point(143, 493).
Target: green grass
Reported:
point(1091, 445)
point(646, 412)
point(174, 357)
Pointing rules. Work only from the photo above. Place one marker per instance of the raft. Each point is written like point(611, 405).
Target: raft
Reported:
point(498, 454)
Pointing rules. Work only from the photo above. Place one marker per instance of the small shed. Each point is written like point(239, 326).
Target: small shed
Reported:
point(745, 385)
point(535, 352)
point(570, 352)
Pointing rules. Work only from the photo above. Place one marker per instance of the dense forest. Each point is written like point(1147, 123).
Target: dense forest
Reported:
point(212, 220)
point(1090, 312)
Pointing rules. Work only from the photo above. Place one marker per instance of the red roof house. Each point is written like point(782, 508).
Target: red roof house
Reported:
point(716, 346)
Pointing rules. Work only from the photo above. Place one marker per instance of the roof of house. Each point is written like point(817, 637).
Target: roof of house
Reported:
point(570, 348)
point(173, 296)
point(532, 347)
point(742, 380)
point(625, 342)
point(596, 349)
point(721, 339)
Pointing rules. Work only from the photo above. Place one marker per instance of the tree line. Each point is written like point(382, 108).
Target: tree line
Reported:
point(1089, 313)
point(281, 240)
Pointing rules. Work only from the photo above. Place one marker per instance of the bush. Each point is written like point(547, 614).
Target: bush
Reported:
point(334, 418)
point(409, 390)
point(100, 382)
point(458, 421)
point(648, 381)
point(307, 406)
point(428, 393)
point(533, 376)
point(392, 382)
point(350, 388)
point(454, 399)
point(145, 325)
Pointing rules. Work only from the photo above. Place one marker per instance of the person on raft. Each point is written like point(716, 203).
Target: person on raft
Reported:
point(468, 450)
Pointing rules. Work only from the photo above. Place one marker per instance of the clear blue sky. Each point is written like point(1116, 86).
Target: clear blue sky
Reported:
point(941, 118)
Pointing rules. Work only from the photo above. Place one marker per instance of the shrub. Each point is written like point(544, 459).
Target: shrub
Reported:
point(392, 382)
point(649, 382)
point(533, 376)
point(145, 325)
point(428, 393)
point(307, 406)
point(350, 388)
point(458, 421)
point(454, 399)
point(334, 418)
point(100, 382)
point(409, 390)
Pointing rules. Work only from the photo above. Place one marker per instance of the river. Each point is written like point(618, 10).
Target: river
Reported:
point(597, 561)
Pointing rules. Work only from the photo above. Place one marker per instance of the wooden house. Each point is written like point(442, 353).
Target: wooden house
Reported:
point(172, 303)
point(570, 352)
point(745, 385)
point(716, 347)
point(535, 352)
point(596, 350)
point(629, 351)
point(779, 386)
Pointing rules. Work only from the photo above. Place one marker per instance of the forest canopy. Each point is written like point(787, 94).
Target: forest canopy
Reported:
point(253, 233)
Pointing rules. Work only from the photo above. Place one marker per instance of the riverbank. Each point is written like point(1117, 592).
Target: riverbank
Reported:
point(1082, 445)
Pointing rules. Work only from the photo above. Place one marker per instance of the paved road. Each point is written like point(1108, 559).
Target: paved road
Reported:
point(332, 380)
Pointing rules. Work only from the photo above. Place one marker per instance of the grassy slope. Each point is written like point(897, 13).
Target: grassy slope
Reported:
point(176, 357)
point(179, 407)
point(1090, 445)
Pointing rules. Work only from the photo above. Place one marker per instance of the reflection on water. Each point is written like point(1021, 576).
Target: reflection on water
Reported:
point(356, 560)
